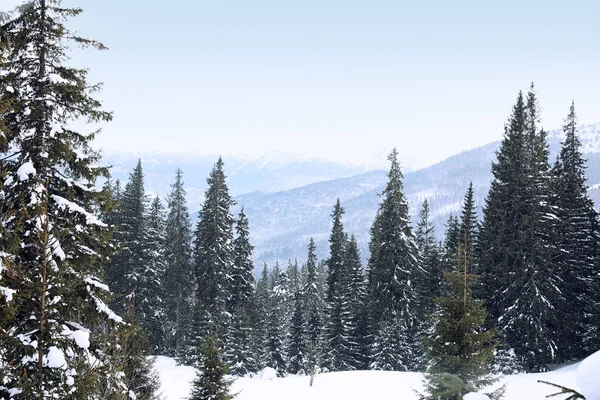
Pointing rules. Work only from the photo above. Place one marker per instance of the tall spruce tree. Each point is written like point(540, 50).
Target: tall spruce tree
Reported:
point(60, 323)
point(468, 229)
point(213, 250)
point(297, 348)
point(578, 238)
point(314, 306)
point(393, 266)
point(178, 281)
point(339, 317)
point(242, 279)
point(149, 302)
point(277, 318)
point(429, 284)
point(127, 265)
point(358, 321)
point(259, 323)
point(515, 248)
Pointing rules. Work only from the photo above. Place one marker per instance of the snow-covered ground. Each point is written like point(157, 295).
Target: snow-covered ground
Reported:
point(359, 385)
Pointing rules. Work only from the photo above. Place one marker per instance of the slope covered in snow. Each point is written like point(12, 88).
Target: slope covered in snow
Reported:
point(355, 385)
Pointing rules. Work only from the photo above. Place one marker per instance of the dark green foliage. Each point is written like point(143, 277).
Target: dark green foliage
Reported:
point(211, 382)
point(430, 279)
point(132, 354)
point(450, 248)
point(178, 284)
point(213, 249)
point(577, 230)
point(516, 244)
point(313, 301)
point(242, 280)
point(149, 293)
point(468, 230)
point(56, 242)
point(358, 321)
point(340, 326)
point(240, 354)
point(260, 305)
point(389, 351)
point(392, 266)
point(459, 344)
point(127, 266)
point(297, 349)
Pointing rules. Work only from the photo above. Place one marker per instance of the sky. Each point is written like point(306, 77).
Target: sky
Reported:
point(344, 80)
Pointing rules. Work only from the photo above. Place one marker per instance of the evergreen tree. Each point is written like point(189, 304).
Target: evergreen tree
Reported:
point(127, 266)
point(459, 344)
point(313, 305)
point(297, 349)
point(519, 280)
point(394, 265)
point(131, 355)
point(260, 324)
point(450, 248)
point(358, 323)
point(213, 250)
point(211, 382)
point(240, 353)
point(242, 279)
point(339, 315)
point(59, 323)
point(578, 243)
point(178, 279)
point(429, 284)
point(468, 229)
point(388, 351)
point(459, 349)
point(150, 306)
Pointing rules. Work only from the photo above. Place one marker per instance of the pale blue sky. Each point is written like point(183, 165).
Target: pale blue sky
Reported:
point(341, 79)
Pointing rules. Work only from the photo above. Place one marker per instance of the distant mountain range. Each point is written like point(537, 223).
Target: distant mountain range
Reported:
point(281, 223)
point(271, 172)
point(289, 199)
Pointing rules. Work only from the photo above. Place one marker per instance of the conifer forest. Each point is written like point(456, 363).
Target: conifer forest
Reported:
point(97, 274)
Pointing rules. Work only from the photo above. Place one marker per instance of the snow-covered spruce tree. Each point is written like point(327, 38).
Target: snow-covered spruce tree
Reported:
point(242, 278)
point(131, 356)
point(138, 268)
point(214, 253)
point(239, 352)
point(149, 302)
point(279, 315)
point(578, 241)
point(211, 382)
point(297, 350)
point(314, 309)
point(259, 319)
point(179, 278)
point(128, 264)
point(50, 181)
point(393, 266)
point(429, 282)
point(339, 323)
point(357, 301)
point(519, 279)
